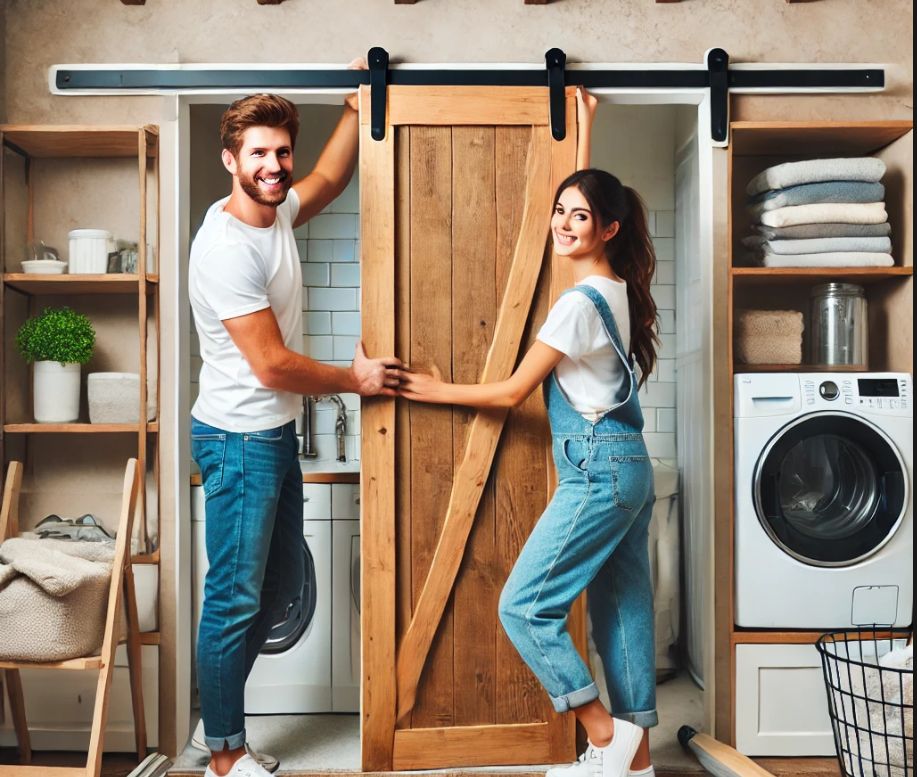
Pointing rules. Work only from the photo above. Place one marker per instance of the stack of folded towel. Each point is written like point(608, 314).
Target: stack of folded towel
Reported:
point(768, 336)
point(820, 213)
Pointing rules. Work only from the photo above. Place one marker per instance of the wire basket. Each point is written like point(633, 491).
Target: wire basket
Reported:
point(870, 680)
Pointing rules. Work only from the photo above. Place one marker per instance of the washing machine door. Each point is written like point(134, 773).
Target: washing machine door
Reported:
point(830, 489)
point(299, 614)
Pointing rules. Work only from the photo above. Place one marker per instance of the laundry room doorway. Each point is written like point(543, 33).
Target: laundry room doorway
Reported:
point(659, 144)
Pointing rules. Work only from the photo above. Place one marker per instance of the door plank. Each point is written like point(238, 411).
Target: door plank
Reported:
point(474, 310)
point(453, 105)
point(485, 430)
point(377, 486)
point(521, 488)
point(432, 461)
point(471, 746)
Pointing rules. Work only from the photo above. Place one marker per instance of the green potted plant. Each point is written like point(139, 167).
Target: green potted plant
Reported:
point(57, 341)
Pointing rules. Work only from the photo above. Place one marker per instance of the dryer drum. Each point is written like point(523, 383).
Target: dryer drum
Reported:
point(829, 489)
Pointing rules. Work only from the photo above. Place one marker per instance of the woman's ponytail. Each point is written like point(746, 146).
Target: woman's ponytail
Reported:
point(630, 253)
point(633, 258)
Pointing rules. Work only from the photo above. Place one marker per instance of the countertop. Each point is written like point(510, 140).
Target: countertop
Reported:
point(324, 471)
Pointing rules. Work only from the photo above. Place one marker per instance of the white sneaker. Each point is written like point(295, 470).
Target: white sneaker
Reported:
point(246, 766)
point(267, 762)
point(612, 760)
point(649, 771)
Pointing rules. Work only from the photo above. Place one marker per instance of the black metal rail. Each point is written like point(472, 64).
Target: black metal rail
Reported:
point(715, 76)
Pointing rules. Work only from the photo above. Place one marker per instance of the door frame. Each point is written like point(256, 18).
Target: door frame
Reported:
point(175, 130)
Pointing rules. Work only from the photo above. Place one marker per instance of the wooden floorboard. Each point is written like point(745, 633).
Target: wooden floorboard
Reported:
point(121, 764)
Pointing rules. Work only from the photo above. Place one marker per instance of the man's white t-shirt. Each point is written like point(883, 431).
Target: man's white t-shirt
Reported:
point(237, 269)
point(591, 374)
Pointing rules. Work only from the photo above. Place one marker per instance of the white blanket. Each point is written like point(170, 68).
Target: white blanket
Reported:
point(844, 212)
point(816, 170)
point(836, 259)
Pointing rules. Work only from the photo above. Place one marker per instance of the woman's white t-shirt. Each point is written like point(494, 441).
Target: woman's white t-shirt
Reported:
point(591, 373)
point(237, 269)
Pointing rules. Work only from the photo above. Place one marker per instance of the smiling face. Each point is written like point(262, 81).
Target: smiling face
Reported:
point(264, 164)
point(575, 231)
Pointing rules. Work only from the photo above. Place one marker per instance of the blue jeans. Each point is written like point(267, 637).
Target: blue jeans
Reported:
point(253, 488)
point(592, 534)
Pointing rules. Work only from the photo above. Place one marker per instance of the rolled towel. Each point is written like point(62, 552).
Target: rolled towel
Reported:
point(769, 349)
point(836, 259)
point(801, 231)
point(851, 213)
point(779, 323)
point(809, 193)
point(815, 171)
point(820, 245)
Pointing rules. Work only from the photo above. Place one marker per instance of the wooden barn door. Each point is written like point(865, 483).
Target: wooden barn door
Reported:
point(457, 274)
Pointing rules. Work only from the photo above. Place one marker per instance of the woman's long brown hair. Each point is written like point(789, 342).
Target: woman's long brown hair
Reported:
point(630, 253)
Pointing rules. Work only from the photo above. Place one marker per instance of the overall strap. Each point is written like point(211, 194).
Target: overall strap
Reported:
point(608, 320)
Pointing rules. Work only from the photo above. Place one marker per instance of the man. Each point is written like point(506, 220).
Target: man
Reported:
point(245, 284)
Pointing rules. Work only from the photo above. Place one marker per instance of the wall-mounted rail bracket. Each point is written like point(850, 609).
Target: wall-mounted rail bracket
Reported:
point(555, 61)
point(718, 70)
point(378, 79)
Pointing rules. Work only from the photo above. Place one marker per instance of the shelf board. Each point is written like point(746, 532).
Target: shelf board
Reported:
point(787, 275)
point(92, 662)
point(149, 637)
point(740, 368)
point(78, 428)
point(108, 283)
point(146, 558)
point(814, 138)
point(44, 141)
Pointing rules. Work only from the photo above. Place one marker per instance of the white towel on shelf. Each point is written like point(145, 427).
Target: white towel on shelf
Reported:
point(819, 245)
point(816, 170)
point(845, 212)
point(835, 259)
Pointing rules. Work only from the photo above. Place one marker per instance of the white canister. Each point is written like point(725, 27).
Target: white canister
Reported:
point(89, 250)
point(56, 392)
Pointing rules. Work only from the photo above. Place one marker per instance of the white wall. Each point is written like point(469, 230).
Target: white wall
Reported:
point(637, 144)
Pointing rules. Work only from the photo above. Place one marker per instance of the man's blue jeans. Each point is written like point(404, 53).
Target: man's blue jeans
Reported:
point(253, 486)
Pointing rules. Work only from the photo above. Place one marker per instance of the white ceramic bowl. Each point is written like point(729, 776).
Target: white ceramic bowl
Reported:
point(44, 266)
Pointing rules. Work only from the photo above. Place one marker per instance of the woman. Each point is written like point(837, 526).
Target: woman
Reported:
point(593, 533)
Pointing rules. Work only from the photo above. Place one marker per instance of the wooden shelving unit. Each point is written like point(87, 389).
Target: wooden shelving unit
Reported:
point(756, 146)
point(54, 179)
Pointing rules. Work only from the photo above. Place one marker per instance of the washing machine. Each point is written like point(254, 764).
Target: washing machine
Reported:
point(823, 500)
point(293, 672)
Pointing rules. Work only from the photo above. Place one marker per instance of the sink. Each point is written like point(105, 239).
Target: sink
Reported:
point(313, 466)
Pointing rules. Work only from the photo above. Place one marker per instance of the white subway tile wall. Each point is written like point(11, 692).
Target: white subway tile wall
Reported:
point(329, 251)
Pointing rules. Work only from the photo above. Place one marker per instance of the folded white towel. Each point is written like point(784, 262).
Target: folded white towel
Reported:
point(815, 170)
point(819, 245)
point(835, 259)
point(850, 213)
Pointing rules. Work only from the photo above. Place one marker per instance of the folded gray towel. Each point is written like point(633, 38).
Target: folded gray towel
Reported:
point(820, 245)
point(825, 191)
point(850, 212)
point(835, 259)
point(817, 170)
point(799, 231)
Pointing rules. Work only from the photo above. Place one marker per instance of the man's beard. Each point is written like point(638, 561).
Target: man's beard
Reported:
point(251, 188)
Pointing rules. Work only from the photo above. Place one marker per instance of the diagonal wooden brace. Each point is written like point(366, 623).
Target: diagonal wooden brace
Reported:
point(487, 426)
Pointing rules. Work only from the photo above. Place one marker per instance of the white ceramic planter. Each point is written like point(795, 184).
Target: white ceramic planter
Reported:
point(56, 392)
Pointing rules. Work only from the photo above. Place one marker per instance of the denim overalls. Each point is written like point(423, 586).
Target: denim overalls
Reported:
point(592, 535)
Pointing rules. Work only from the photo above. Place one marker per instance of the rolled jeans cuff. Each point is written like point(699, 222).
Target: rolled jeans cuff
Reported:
point(232, 742)
point(578, 698)
point(644, 719)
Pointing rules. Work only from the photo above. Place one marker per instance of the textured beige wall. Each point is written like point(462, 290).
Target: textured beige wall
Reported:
point(40, 33)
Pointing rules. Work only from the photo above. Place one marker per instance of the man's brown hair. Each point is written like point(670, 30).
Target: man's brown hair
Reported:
point(257, 110)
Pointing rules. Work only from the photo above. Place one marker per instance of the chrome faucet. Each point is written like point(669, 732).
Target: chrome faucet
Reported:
point(340, 423)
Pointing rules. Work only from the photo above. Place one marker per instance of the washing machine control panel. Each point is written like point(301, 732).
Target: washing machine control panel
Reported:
point(885, 393)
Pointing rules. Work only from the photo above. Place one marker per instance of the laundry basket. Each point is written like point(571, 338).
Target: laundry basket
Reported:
point(869, 680)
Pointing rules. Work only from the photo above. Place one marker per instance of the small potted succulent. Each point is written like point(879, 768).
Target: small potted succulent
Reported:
point(57, 341)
